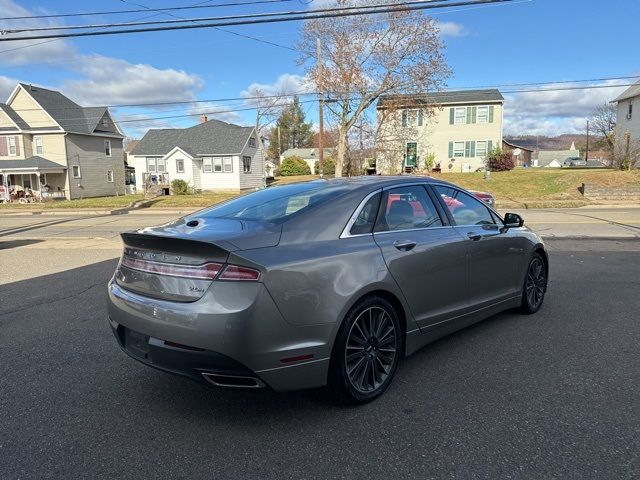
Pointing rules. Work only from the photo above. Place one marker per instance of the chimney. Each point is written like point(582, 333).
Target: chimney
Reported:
point(203, 118)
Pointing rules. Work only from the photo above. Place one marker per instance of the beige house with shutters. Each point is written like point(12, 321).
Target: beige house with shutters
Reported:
point(57, 148)
point(454, 130)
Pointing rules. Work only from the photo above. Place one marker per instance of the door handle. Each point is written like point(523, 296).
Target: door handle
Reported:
point(404, 245)
point(474, 236)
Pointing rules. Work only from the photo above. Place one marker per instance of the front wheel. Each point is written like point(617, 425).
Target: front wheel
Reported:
point(535, 285)
point(367, 351)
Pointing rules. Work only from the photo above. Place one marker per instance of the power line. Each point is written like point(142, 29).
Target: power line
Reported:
point(285, 17)
point(167, 9)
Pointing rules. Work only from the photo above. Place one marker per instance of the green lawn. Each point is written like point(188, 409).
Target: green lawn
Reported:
point(121, 201)
point(191, 201)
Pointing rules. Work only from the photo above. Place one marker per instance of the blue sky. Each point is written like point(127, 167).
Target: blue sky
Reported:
point(526, 41)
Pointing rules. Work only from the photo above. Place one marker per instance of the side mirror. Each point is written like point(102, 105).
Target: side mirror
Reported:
point(513, 220)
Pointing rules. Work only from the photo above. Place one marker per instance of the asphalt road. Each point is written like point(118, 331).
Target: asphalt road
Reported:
point(577, 222)
point(554, 395)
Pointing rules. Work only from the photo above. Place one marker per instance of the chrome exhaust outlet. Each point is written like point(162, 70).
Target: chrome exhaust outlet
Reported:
point(235, 381)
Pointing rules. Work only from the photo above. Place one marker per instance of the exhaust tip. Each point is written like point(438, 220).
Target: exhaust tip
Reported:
point(236, 381)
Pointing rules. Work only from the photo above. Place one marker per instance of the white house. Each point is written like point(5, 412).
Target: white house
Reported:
point(212, 155)
point(628, 118)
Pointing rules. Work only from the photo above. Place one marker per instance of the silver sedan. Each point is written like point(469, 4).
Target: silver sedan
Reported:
point(329, 282)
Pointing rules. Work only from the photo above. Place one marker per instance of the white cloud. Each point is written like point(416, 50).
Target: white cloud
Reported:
point(452, 29)
point(6, 87)
point(554, 112)
point(286, 84)
point(111, 81)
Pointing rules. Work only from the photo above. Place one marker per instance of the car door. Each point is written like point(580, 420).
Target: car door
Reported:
point(494, 255)
point(424, 253)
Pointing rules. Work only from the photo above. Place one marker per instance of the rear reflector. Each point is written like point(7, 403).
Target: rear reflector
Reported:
point(234, 272)
point(206, 271)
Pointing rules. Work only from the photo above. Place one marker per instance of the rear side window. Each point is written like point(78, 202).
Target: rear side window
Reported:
point(367, 217)
point(406, 208)
point(465, 209)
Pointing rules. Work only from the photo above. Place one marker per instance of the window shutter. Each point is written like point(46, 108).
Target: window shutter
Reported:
point(473, 147)
point(4, 149)
point(474, 113)
point(471, 114)
point(420, 117)
point(451, 114)
point(467, 149)
point(17, 145)
point(491, 114)
point(450, 149)
point(404, 118)
point(489, 146)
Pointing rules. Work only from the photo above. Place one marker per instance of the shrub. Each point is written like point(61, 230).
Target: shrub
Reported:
point(328, 166)
point(499, 161)
point(180, 187)
point(294, 166)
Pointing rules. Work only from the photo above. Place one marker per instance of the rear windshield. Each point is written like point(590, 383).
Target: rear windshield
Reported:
point(276, 204)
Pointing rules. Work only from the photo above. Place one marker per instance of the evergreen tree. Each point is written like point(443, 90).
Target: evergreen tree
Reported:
point(294, 131)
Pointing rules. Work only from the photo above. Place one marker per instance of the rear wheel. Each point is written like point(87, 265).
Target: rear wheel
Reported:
point(367, 351)
point(535, 285)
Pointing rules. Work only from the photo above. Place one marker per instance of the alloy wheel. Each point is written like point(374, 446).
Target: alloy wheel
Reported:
point(536, 283)
point(371, 349)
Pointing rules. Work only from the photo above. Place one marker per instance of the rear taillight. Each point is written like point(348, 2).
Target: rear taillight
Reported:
point(206, 271)
point(234, 272)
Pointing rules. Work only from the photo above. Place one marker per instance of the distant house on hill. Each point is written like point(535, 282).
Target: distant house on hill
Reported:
point(309, 155)
point(555, 158)
point(521, 155)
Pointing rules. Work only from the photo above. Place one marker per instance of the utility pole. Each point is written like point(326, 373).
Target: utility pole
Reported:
point(320, 108)
point(586, 155)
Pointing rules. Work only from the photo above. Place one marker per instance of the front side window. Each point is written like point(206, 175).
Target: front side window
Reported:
point(465, 209)
point(483, 115)
point(12, 146)
point(107, 148)
point(75, 171)
point(460, 115)
point(406, 208)
point(207, 164)
point(39, 147)
point(110, 176)
point(180, 165)
point(246, 164)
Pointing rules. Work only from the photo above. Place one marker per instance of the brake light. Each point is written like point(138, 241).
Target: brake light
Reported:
point(206, 271)
point(234, 272)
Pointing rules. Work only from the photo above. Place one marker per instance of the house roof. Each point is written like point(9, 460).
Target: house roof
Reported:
point(513, 145)
point(306, 152)
point(545, 157)
point(632, 91)
point(214, 137)
point(68, 114)
point(15, 118)
point(35, 162)
point(446, 97)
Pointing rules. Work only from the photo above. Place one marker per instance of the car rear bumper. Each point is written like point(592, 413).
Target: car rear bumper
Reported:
point(233, 330)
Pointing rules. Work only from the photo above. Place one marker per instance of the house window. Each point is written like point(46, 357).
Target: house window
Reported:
point(483, 115)
point(207, 165)
point(630, 114)
point(179, 165)
point(162, 165)
point(481, 148)
point(458, 149)
point(12, 146)
point(246, 164)
point(252, 142)
point(228, 164)
point(39, 147)
point(151, 165)
point(110, 176)
point(75, 171)
point(105, 122)
point(217, 164)
point(460, 115)
point(26, 181)
point(107, 148)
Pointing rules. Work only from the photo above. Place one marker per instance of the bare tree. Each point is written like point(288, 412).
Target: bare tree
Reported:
point(603, 122)
point(393, 53)
point(626, 153)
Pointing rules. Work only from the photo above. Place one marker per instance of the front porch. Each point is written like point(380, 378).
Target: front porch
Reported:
point(32, 180)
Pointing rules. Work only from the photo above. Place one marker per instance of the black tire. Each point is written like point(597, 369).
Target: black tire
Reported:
point(366, 352)
point(534, 287)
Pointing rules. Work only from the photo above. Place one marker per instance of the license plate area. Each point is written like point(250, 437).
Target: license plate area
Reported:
point(136, 343)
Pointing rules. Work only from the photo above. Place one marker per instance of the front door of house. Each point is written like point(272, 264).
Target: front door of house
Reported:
point(411, 157)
